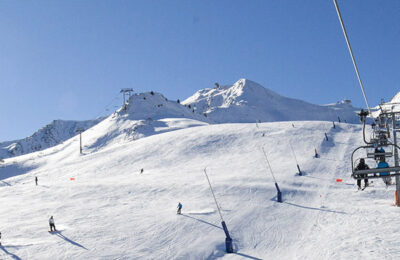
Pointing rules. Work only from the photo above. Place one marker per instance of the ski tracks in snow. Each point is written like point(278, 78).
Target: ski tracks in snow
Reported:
point(314, 231)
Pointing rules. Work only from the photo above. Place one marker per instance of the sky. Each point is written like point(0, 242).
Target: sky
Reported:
point(69, 59)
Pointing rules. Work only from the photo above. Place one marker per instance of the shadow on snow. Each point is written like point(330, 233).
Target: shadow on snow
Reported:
point(320, 209)
point(10, 254)
point(14, 170)
point(58, 233)
point(202, 221)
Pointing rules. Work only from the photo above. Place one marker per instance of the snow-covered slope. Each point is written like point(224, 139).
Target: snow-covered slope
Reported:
point(156, 106)
point(392, 106)
point(396, 99)
point(247, 101)
point(52, 134)
point(112, 211)
point(144, 115)
point(151, 113)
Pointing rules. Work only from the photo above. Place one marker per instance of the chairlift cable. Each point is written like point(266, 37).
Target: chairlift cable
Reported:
point(351, 54)
point(107, 106)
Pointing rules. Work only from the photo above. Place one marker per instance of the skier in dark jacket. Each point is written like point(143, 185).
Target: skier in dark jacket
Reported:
point(362, 166)
point(179, 208)
point(52, 225)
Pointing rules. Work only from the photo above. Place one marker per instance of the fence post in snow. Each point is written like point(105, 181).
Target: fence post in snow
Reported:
point(326, 137)
point(228, 239)
point(333, 122)
point(316, 153)
point(279, 195)
point(338, 119)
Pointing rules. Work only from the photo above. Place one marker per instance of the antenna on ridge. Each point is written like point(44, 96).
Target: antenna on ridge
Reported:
point(126, 92)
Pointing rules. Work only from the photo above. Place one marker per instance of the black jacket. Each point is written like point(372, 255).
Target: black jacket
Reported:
point(362, 166)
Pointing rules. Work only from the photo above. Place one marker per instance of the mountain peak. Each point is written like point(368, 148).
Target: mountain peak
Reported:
point(247, 101)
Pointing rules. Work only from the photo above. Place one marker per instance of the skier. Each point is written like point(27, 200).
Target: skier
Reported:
point(383, 164)
point(362, 166)
point(52, 225)
point(36, 180)
point(179, 208)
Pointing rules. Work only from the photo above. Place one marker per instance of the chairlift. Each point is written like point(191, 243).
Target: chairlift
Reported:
point(374, 173)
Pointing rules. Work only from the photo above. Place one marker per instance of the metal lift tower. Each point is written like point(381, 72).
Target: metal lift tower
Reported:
point(126, 92)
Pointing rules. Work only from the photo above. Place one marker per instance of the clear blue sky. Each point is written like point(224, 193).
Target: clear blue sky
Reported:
point(69, 59)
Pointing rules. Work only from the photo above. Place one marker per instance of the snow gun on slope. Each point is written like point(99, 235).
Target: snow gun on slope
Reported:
point(228, 239)
point(279, 195)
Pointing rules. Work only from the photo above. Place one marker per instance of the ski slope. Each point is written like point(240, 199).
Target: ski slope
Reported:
point(112, 211)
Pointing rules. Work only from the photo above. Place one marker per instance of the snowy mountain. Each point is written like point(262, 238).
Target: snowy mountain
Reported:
point(156, 106)
point(396, 99)
point(144, 115)
point(105, 208)
point(151, 113)
point(52, 134)
point(118, 199)
point(246, 101)
point(392, 106)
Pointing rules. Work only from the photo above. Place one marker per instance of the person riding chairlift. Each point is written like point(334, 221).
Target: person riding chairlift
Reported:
point(362, 166)
point(383, 164)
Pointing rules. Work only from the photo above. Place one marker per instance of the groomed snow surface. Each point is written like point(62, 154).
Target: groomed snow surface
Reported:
point(112, 211)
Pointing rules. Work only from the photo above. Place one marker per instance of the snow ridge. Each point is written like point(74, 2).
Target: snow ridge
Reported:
point(247, 101)
point(52, 134)
point(150, 113)
point(144, 115)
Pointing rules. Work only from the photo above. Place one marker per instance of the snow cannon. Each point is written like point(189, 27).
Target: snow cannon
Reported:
point(279, 195)
point(298, 168)
point(228, 239)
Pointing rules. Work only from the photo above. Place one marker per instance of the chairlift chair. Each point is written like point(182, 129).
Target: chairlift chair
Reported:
point(374, 173)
